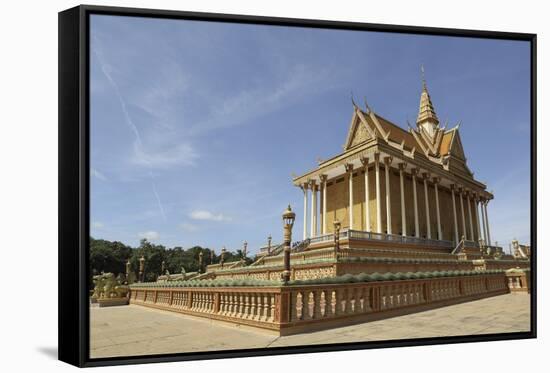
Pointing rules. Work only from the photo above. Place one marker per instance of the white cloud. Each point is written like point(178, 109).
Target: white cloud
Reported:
point(207, 215)
point(181, 154)
point(97, 174)
point(149, 235)
point(188, 227)
point(97, 224)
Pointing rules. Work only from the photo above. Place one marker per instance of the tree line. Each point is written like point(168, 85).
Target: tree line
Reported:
point(111, 256)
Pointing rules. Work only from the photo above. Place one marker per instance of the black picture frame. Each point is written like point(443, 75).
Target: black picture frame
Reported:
point(74, 181)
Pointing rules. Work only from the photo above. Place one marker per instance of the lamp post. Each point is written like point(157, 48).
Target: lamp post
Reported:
point(288, 222)
point(337, 226)
point(162, 268)
point(212, 255)
point(141, 269)
point(200, 261)
point(222, 256)
point(128, 271)
point(269, 245)
point(245, 247)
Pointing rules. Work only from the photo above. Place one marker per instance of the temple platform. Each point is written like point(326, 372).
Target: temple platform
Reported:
point(136, 330)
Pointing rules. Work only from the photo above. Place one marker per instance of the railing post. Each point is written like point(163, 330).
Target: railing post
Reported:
point(189, 299)
point(282, 308)
point(216, 302)
point(427, 291)
point(171, 298)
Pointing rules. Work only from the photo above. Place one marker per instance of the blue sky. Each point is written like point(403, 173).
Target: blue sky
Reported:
point(197, 127)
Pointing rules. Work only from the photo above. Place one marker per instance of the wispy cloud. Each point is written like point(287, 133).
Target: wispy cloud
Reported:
point(188, 227)
point(107, 72)
point(95, 173)
point(149, 235)
point(207, 215)
point(298, 82)
point(182, 154)
point(97, 224)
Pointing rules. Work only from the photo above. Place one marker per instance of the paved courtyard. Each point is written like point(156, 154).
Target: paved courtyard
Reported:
point(137, 330)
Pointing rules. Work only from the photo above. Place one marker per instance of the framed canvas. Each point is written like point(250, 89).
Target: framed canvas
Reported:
point(234, 186)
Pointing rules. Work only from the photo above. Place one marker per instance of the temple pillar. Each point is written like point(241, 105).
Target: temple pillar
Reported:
point(378, 201)
point(402, 167)
point(414, 172)
point(313, 228)
point(387, 163)
point(324, 204)
point(304, 189)
point(470, 216)
point(437, 212)
point(455, 220)
point(476, 215)
point(487, 220)
point(460, 193)
point(349, 170)
point(365, 162)
point(426, 176)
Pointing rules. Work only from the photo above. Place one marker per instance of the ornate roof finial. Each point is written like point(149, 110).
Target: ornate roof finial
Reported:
point(352, 100)
point(426, 111)
point(423, 77)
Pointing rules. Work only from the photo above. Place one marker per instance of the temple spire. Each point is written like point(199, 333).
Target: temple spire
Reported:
point(427, 119)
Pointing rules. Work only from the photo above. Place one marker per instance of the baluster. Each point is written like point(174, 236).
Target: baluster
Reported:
point(271, 308)
point(317, 304)
point(265, 305)
point(328, 303)
point(323, 303)
point(337, 301)
point(246, 309)
point(252, 306)
point(383, 297)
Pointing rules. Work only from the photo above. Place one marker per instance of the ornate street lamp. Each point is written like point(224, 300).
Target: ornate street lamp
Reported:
point(222, 256)
point(288, 222)
point(200, 261)
point(141, 268)
point(337, 226)
point(245, 246)
point(128, 270)
point(269, 245)
point(162, 268)
point(212, 255)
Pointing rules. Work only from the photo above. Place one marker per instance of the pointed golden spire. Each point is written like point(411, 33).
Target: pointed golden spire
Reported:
point(426, 111)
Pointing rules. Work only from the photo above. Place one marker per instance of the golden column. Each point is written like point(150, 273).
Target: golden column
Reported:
point(402, 167)
point(324, 203)
point(387, 163)
point(288, 222)
point(476, 214)
point(365, 162)
point(426, 176)
point(460, 194)
point(453, 187)
point(437, 213)
point(468, 202)
point(313, 229)
point(378, 201)
point(349, 170)
point(414, 172)
point(304, 188)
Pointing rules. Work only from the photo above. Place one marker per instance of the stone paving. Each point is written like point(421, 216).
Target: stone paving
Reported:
point(137, 330)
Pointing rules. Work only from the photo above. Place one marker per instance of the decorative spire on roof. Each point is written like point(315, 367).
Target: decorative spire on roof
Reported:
point(426, 111)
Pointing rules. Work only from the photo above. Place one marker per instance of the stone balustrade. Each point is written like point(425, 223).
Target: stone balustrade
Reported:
point(519, 280)
point(296, 308)
point(349, 234)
